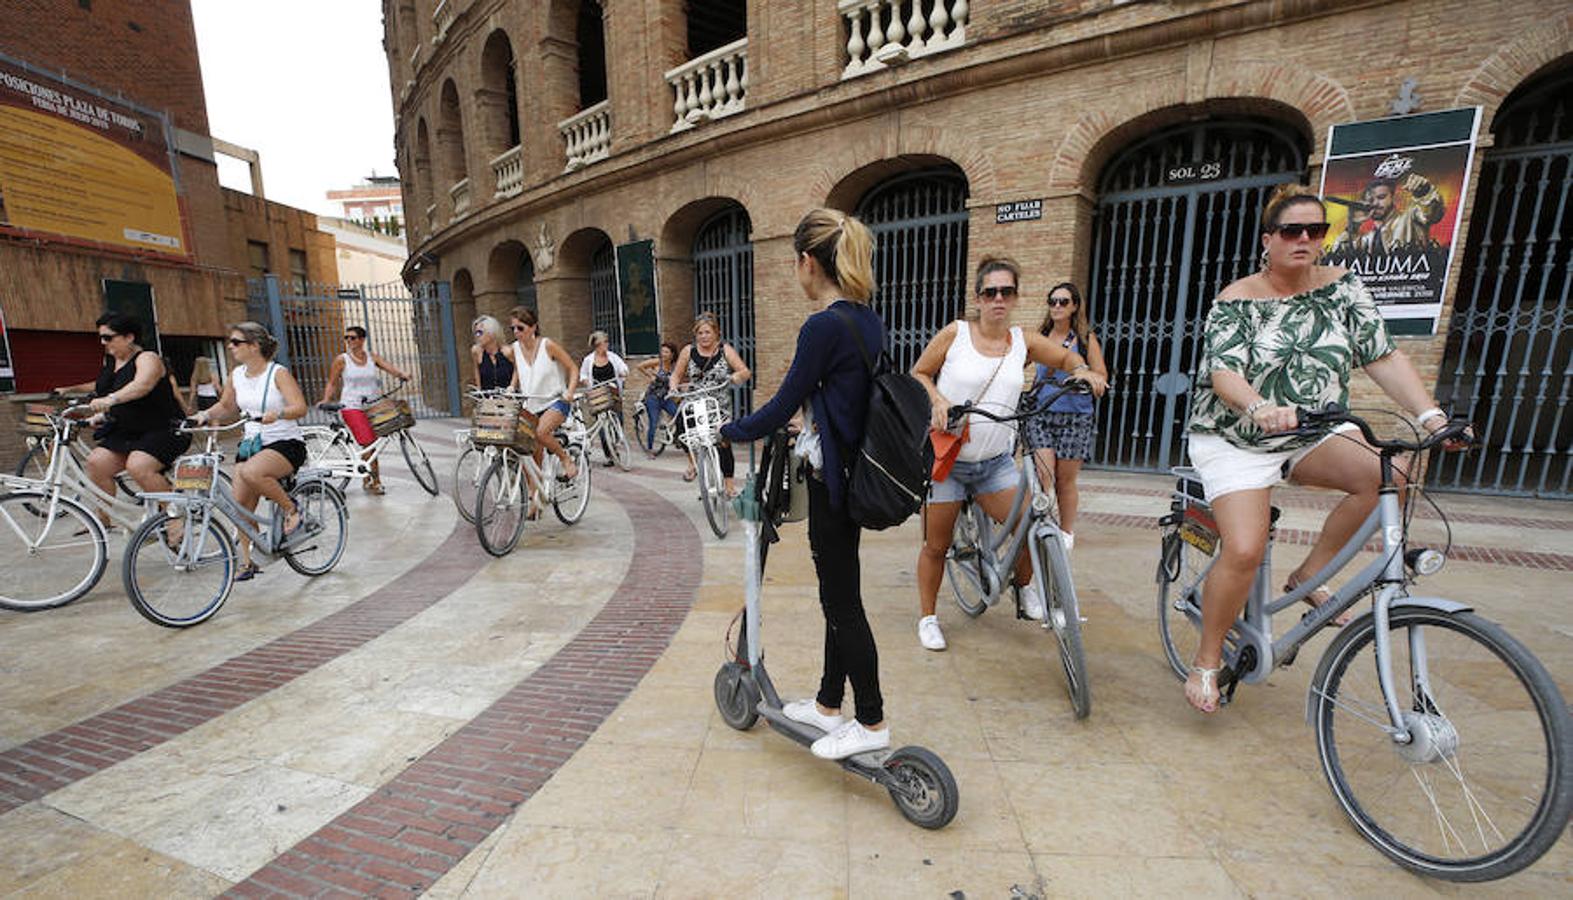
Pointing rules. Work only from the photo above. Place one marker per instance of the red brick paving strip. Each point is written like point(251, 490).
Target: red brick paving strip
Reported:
point(402, 838)
point(52, 761)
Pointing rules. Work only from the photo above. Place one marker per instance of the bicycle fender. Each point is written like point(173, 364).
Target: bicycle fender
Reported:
point(1440, 604)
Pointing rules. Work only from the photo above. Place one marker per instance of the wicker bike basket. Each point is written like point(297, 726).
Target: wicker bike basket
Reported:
point(599, 399)
point(35, 419)
point(389, 416)
point(501, 422)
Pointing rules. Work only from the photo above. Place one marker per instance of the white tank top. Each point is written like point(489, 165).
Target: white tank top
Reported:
point(207, 390)
point(248, 396)
point(963, 375)
point(540, 378)
point(361, 382)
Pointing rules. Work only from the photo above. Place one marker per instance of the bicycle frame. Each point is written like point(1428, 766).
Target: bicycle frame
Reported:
point(1028, 517)
point(342, 456)
point(66, 474)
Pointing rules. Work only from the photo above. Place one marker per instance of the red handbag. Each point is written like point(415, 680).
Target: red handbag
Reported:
point(947, 447)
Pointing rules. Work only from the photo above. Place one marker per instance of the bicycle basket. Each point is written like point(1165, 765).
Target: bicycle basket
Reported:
point(501, 422)
point(195, 473)
point(701, 421)
point(389, 416)
point(599, 399)
point(35, 419)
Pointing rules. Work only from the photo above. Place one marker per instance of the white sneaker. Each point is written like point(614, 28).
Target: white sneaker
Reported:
point(1069, 540)
point(929, 634)
point(807, 712)
point(1032, 602)
point(849, 740)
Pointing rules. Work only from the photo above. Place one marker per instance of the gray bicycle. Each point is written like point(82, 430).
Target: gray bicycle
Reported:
point(1444, 740)
point(179, 567)
point(983, 555)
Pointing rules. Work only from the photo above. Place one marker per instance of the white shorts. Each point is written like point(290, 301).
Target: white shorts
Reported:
point(1225, 468)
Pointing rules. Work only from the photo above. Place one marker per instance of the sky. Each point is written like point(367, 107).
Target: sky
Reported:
point(312, 99)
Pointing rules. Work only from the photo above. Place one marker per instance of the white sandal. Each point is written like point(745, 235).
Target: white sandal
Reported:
point(1209, 686)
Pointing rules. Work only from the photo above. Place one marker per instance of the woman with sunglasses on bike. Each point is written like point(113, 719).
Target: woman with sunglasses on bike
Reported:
point(489, 353)
point(711, 362)
point(270, 395)
point(1060, 435)
point(1288, 336)
point(981, 362)
point(356, 369)
point(543, 369)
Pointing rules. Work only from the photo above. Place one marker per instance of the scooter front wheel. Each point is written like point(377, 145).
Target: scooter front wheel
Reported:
point(922, 787)
point(736, 696)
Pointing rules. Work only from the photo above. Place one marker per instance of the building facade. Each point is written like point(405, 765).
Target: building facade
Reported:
point(377, 202)
point(552, 151)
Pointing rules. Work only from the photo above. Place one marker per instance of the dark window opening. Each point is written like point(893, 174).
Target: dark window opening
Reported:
point(511, 86)
point(715, 23)
point(592, 55)
point(298, 278)
point(257, 258)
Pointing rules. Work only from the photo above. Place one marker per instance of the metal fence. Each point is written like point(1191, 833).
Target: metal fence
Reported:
point(412, 330)
point(606, 310)
point(724, 286)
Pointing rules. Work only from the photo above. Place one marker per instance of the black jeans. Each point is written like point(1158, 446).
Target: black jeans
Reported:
point(850, 653)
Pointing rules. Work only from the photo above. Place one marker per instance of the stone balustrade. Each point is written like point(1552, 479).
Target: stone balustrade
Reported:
point(882, 33)
point(460, 193)
point(588, 136)
point(710, 86)
point(508, 171)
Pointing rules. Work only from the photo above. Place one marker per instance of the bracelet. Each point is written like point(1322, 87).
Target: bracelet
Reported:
point(1251, 408)
point(1426, 415)
point(1076, 369)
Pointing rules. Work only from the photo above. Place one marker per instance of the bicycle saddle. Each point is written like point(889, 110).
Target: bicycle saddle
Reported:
point(330, 407)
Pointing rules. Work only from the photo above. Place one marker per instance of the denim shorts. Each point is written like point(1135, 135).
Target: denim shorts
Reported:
point(986, 476)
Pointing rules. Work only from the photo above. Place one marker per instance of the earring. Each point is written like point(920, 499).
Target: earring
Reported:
point(1266, 261)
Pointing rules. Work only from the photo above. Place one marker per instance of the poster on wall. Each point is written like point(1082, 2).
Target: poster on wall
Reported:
point(7, 373)
point(636, 289)
point(78, 164)
point(1394, 190)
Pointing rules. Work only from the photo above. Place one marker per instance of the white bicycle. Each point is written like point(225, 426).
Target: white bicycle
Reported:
point(600, 406)
point(334, 449)
point(702, 416)
point(513, 479)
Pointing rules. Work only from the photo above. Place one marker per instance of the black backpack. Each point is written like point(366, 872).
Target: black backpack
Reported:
point(888, 476)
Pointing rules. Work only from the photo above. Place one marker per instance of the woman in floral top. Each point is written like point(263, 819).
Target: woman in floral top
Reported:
point(1287, 336)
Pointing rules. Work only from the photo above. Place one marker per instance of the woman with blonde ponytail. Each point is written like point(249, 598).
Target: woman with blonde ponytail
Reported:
point(829, 381)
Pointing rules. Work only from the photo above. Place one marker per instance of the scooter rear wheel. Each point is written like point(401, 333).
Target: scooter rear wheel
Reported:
point(736, 696)
point(923, 790)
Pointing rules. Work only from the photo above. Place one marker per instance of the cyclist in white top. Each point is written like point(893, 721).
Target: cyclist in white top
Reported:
point(356, 369)
point(542, 369)
point(981, 362)
point(268, 393)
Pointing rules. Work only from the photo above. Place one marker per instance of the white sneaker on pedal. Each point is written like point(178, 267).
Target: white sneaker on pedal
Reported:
point(1069, 540)
point(807, 712)
point(1032, 602)
point(929, 634)
point(849, 740)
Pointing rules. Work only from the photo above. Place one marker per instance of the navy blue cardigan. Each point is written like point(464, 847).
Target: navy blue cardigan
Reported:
point(827, 369)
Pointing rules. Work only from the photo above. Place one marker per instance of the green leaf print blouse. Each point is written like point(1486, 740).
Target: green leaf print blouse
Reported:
point(1296, 351)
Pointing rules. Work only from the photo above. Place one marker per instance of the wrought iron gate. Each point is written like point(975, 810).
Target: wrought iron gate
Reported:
point(412, 330)
point(724, 286)
point(524, 283)
point(919, 220)
point(1177, 220)
point(1506, 362)
point(606, 313)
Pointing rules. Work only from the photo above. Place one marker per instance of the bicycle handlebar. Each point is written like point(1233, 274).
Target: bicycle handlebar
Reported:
point(189, 426)
point(1318, 422)
point(1072, 386)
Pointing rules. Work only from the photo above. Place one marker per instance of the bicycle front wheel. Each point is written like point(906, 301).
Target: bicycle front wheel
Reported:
point(51, 550)
point(325, 523)
point(324, 452)
point(499, 506)
point(1181, 570)
point(570, 500)
point(1064, 618)
point(617, 440)
point(712, 493)
point(1484, 786)
point(35, 463)
point(467, 472)
point(964, 566)
point(179, 571)
point(420, 464)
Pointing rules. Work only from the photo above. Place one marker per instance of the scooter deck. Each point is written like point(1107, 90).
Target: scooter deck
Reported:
point(869, 765)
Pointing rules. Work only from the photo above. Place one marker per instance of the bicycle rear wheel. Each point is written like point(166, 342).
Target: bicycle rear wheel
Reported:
point(500, 502)
point(51, 551)
point(323, 452)
point(570, 500)
point(1485, 785)
point(323, 513)
point(1181, 570)
point(617, 440)
point(1064, 618)
point(712, 492)
point(969, 577)
point(420, 464)
point(467, 472)
point(178, 577)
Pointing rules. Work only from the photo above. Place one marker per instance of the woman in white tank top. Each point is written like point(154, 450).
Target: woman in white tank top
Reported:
point(981, 362)
point(356, 371)
point(542, 370)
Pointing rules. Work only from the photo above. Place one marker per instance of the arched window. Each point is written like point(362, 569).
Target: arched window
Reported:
point(919, 220)
point(450, 134)
point(590, 33)
point(498, 97)
point(423, 173)
point(1162, 249)
point(1509, 349)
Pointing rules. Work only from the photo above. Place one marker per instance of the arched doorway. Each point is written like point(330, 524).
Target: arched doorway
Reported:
point(1509, 341)
point(919, 220)
point(1176, 220)
point(724, 284)
point(606, 313)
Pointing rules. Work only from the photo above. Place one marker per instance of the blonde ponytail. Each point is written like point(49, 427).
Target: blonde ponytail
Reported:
point(843, 247)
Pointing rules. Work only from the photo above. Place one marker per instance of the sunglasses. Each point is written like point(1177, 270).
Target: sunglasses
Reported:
point(352, 337)
point(106, 338)
point(1061, 301)
point(516, 328)
point(992, 292)
point(236, 342)
point(1292, 232)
